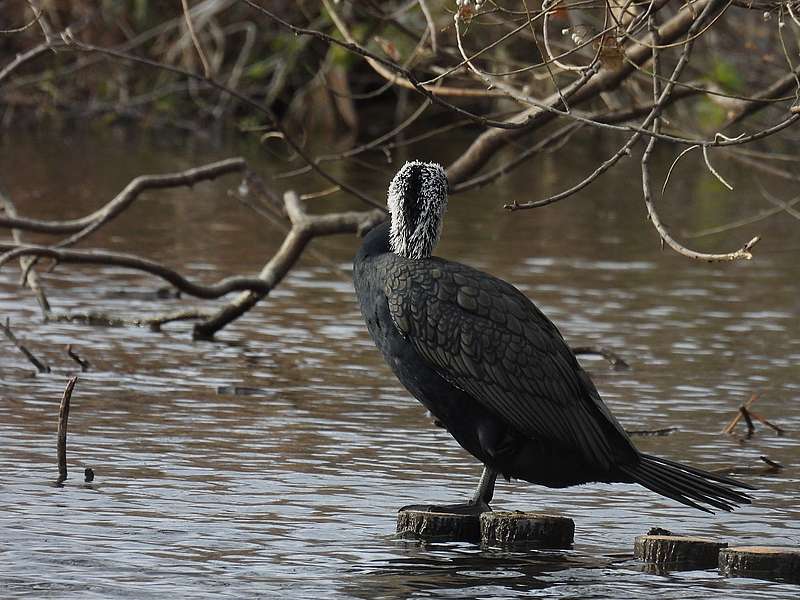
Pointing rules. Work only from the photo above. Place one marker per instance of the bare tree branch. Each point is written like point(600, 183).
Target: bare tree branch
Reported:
point(777, 89)
point(741, 254)
point(85, 225)
point(26, 265)
point(304, 228)
point(118, 259)
point(486, 145)
point(23, 58)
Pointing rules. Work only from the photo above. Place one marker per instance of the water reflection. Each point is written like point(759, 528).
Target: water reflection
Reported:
point(272, 461)
point(462, 571)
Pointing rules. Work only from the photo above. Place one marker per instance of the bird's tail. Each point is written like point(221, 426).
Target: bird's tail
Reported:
point(686, 484)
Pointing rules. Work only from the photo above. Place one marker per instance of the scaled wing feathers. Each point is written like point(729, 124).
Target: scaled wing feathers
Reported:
point(487, 338)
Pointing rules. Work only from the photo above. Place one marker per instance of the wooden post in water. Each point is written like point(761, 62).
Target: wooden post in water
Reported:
point(63, 418)
point(764, 562)
point(514, 528)
point(665, 552)
point(419, 523)
point(491, 528)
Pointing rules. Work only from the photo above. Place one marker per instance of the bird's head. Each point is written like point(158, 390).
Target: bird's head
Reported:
point(417, 201)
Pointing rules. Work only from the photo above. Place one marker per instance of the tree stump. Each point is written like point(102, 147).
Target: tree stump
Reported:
point(666, 552)
point(763, 562)
point(514, 528)
point(434, 526)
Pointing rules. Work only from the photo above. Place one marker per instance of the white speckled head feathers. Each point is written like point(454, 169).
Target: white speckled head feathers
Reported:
point(417, 201)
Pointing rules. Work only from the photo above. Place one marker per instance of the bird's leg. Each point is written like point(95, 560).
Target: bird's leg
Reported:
point(479, 503)
point(485, 490)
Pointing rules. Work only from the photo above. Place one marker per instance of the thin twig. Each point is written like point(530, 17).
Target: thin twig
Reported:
point(363, 147)
point(26, 56)
point(247, 100)
point(47, 30)
point(41, 366)
point(385, 68)
point(24, 27)
point(750, 427)
point(423, 4)
point(780, 204)
point(557, 138)
point(737, 417)
point(760, 216)
point(744, 252)
point(772, 463)
point(518, 95)
point(195, 40)
point(760, 419)
point(747, 413)
point(84, 364)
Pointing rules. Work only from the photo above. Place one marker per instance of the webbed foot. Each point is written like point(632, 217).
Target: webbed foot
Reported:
point(479, 503)
point(463, 508)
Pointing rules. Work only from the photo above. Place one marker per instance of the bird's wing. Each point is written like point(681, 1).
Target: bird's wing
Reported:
point(488, 339)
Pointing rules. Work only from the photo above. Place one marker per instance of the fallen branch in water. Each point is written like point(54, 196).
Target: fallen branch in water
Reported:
point(746, 413)
point(85, 225)
point(612, 357)
point(770, 467)
point(154, 323)
point(63, 417)
point(130, 261)
point(26, 265)
point(652, 432)
point(84, 364)
point(305, 227)
point(41, 366)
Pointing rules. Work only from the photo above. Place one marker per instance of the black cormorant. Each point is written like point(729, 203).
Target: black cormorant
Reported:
point(492, 368)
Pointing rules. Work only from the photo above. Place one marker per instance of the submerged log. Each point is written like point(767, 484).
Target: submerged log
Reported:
point(418, 523)
point(666, 552)
point(513, 528)
point(763, 562)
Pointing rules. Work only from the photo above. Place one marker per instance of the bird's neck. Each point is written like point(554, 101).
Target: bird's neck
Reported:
point(376, 242)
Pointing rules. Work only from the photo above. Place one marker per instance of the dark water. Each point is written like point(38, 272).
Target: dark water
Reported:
point(291, 488)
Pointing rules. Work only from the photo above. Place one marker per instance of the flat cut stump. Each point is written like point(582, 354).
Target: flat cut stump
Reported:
point(677, 551)
point(514, 528)
point(434, 526)
point(762, 562)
